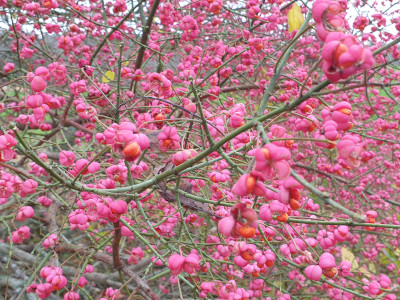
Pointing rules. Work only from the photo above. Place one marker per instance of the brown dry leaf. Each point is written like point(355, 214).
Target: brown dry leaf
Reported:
point(186, 202)
point(152, 135)
point(195, 205)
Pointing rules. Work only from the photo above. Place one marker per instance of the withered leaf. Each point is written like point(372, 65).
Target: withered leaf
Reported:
point(186, 202)
point(152, 135)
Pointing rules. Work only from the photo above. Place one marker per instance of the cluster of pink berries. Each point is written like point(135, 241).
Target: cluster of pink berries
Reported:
point(327, 266)
point(343, 55)
point(55, 281)
point(178, 263)
point(123, 140)
point(7, 142)
point(336, 121)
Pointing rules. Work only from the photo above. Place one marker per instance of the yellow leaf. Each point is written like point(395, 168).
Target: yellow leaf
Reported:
point(109, 76)
point(372, 268)
point(349, 256)
point(363, 270)
point(295, 18)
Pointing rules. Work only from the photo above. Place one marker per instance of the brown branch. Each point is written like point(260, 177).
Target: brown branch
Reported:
point(67, 108)
point(93, 56)
point(141, 284)
point(19, 254)
point(40, 219)
point(145, 36)
point(14, 80)
point(52, 217)
point(234, 88)
point(79, 126)
point(72, 123)
point(115, 246)
point(16, 170)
